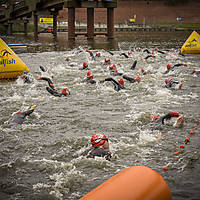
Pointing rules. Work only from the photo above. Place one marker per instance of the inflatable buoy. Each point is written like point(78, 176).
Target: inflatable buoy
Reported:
point(11, 66)
point(133, 183)
point(192, 44)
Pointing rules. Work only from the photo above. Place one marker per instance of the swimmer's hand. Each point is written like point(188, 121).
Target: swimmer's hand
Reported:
point(32, 107)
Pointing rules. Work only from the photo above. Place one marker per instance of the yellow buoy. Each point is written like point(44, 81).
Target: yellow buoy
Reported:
point(192, 44)
point(11, 66)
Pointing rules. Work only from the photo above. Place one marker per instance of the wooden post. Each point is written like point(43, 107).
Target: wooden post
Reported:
point(35, 27)
point(90, 23)
point(110, 23)
point(10, 29)
point(71, 23)
point(25, 28)
point(55, 25)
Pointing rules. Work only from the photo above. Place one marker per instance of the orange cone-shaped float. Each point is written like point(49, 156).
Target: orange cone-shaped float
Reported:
point(133, 183)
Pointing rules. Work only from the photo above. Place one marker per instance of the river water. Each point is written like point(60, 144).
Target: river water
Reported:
point(45, 157)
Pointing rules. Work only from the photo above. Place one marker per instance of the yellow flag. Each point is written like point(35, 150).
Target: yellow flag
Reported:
point(192, 44)
point(11, 66)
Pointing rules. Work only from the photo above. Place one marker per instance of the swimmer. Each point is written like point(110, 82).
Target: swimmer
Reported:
point(100, 146)
point(171, 83)
point(19, 117)
point(85, 66)
point(118, 85)
point(26, 77)
point(149, 56)
point(54, 91)
point(179, 122)
point(132, 80)
point(89, 78)
point(91, 54)
point(113, 70)
point(124, 54)
point(169, 67)
point(197, 73)
point(107, 61)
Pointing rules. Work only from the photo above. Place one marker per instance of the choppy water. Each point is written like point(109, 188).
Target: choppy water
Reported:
point(45, 157)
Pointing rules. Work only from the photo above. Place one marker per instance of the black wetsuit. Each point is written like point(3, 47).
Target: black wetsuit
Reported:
point(131, 80)
point(197, 73)
point(172, 68)
point(100, 152)
point(134, 65)
point(89, 80)
point(114, 73)
point(27, 79)
point(51, 89)
point(171, 83)
point(117, 86)
point(18, 118)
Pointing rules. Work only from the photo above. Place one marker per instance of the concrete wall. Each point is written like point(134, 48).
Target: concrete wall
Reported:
point(152, 12)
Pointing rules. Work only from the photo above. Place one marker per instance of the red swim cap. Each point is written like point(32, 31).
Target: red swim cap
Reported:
point(98, 139)
point(113, 66)
point(67, 59)
point(89, 75)
point(107, 60)
point(66, 91)
point(155, 117)
point(19, 112)
point(85, 65)
point(168, 80)
point(194, 70)
point(168, 66)
point(121, 81)
point(156, 49)
point(138, 79)
point(98, 54)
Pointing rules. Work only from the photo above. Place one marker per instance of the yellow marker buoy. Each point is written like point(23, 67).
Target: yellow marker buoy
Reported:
point(11, 66)
point(192, 44)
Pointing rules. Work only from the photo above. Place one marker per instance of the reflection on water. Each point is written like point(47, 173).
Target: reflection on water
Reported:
point(45, 157)
point(142, 39)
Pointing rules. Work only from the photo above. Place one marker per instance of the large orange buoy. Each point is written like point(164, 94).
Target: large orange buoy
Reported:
point(133, 183)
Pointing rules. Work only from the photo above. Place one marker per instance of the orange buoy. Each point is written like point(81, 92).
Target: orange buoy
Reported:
point(136, 182)
point(182, 146)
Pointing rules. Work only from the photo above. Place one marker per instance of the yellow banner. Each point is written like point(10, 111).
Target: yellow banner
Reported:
point(46, 20)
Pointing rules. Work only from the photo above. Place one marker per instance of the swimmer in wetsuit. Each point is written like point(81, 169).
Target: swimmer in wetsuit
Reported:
point(132, 80)
point(54, 91)
point(113, 70)
point(117, 85)
point(85, 66)
point(100, 146)
point(179, 122)
point(89, 78)
point(19, 117)
point(26, 77)
point(171, 68)
point(171, 83)
point(197, 73)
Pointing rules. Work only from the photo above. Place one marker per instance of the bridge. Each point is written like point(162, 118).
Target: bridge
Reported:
point(12, 11)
